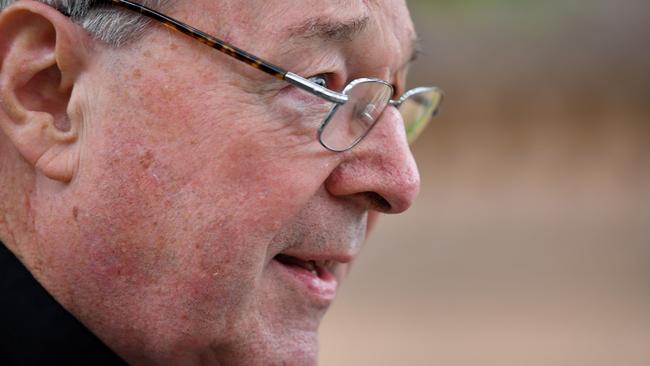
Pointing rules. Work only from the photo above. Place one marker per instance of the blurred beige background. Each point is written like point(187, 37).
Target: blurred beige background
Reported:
point(530, 241)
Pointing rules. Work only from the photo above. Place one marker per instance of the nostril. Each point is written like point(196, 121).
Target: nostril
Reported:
point(377, 202)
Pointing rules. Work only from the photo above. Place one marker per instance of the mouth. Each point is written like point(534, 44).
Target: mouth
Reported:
point(313, 277)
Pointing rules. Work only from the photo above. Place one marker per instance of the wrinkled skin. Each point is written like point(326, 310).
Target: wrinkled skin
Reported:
point(194, 170)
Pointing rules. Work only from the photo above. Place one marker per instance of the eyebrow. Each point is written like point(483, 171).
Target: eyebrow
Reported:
point(328, 30)
point(343, 31)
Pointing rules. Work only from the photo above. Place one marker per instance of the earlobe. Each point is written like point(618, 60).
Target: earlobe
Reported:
point(38, 69)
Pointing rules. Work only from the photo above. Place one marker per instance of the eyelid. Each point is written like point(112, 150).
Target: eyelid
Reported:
point(335, 80)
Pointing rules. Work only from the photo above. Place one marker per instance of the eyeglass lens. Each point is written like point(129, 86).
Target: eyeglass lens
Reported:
point(348, 123)
point(417, 110)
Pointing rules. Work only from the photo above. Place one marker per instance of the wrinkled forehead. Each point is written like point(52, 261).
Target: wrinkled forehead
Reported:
point(381, 14)
point(271, 25)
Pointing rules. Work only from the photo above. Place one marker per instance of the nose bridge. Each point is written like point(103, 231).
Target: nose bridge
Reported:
point(380, 170)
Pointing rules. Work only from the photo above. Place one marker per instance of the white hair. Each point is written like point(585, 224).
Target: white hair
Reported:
point(110, 24)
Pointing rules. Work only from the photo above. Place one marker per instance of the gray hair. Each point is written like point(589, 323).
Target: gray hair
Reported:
point(107, 23)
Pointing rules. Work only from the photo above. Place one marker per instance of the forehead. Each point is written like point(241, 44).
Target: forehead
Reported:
point(284, 13)
point(269, 26)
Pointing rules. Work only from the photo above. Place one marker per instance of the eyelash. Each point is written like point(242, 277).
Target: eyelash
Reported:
point(322, 77)
point(328, 78)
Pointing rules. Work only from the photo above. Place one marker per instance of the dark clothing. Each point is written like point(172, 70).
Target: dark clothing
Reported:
point(36, 330)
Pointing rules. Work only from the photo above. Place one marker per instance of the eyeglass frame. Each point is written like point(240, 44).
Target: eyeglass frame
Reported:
point(274, 70)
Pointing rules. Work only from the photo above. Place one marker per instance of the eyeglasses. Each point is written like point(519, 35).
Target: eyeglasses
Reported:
point(355, 110)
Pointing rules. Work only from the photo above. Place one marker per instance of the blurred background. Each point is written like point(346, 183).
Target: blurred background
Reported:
point(530, 241)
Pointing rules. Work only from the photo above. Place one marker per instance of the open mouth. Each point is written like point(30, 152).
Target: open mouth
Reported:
point(317, 268)
point(314, 277)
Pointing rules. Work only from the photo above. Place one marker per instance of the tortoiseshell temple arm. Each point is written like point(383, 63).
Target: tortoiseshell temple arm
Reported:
point(235, 52)
point(203, 37)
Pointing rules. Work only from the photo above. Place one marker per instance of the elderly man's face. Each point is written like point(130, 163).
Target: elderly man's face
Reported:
point(204, 220)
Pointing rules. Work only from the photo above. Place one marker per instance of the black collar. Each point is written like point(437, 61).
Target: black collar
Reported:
point(37, 330)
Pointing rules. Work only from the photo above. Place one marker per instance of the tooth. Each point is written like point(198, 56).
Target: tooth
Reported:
point(310, 266)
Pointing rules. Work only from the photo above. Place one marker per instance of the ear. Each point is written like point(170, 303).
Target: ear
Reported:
point(42, 54)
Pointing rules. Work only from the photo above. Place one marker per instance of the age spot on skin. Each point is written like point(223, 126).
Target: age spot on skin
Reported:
point(75, 213)
point(146, 159)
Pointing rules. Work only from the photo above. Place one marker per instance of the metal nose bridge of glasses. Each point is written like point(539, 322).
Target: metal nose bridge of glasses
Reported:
point(267, 67)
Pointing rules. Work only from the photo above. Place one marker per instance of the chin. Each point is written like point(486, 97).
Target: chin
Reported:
point(298, 350)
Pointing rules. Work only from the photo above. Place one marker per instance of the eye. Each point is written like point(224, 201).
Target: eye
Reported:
point(320, 79)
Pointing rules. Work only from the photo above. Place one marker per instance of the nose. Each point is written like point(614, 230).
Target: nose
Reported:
point(380, 172)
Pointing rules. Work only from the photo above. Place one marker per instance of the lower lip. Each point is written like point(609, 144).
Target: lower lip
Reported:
point(321, 288)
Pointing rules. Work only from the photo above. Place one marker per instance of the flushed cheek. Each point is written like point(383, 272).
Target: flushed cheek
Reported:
point(149, 211)
point(160, 213)
point(157, 277)
point(121, 221)
point(120, 234)
point(218, 191)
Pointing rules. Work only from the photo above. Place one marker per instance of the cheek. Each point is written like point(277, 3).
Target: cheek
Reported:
point(205, 203)
point(192, 184)
point(120, 220)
